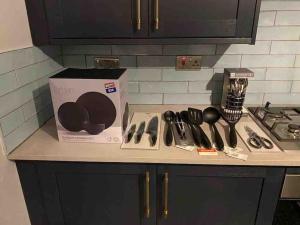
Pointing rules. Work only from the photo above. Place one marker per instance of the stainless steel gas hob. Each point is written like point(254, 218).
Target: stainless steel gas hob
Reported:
point(282, 124)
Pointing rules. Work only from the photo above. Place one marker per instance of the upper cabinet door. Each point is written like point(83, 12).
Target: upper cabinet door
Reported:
point(92, 19)
point(202, 18)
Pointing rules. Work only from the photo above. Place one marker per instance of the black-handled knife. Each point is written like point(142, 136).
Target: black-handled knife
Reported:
point(139, 132)
point(130, 133)
point(152, 130)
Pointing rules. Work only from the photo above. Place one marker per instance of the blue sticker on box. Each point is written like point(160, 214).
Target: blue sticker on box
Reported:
point(110, 87)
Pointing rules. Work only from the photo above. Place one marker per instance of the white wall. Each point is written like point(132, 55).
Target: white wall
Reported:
point(14, 34)
point(14, 27)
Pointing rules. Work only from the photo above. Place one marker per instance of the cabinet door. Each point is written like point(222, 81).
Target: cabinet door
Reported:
point(202, 18)
point(93, 194)
point(202, 195)
point(90, 19)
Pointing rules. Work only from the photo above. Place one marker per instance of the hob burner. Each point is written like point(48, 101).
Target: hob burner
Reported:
point(294, 128)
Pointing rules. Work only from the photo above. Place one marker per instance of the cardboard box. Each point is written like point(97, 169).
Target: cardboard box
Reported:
point(90, 105)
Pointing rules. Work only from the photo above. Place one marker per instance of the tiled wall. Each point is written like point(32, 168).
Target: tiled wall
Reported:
point(275, 59)
point(25, 101)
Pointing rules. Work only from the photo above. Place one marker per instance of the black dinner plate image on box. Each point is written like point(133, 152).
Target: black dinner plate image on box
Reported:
point(100, 108)
point(72, 116)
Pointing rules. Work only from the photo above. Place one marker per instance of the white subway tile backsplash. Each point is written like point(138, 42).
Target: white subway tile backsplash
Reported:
point(8, 82)
point(259, 73)
point(86, 49)
point(286, 47)
point(205, 87)
point(267, 18)
point(163, 87)
point(137, 50)
point(278, 33)
point(74, 61)
point(138, 98)
point(189, 49)
point(296, 87)
point(187, 98)
point(221, 61)
point(254, 99)
point(284, 18)
point(268, 60)
point(297, 62)
point(279, 5)
point(283, 74)
point(260, 47)
point(23, 57)
point(45, 52)
point(144, 74)
point(27, 74)
point(156, 61)
point(269, 87)
point(282, 98)
point(6, 62)
point(8, 103)
point(24, 91)
point(11, 122)
point(174, 75)
point(133, 87)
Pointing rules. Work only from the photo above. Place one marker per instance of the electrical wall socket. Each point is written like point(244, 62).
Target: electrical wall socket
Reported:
point(188, 62)
point(107, 62)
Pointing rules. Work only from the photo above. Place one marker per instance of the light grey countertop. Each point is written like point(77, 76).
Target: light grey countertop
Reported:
point(43, 145)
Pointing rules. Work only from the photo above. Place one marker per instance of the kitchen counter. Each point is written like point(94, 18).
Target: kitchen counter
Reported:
point(43, 145)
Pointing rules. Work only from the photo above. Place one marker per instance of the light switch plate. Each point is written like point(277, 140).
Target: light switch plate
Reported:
point(188, 62)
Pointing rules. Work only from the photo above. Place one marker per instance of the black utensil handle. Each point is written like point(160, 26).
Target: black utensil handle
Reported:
point(218, 139)
point(232, 136)
point(196, 135)
point(152, 139)
point(204, 139)
point(168, 135)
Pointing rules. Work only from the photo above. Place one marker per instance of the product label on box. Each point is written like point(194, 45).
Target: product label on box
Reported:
point(110, 87)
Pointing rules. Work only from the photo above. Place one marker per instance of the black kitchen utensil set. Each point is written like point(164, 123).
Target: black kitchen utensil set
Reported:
point(193, 118)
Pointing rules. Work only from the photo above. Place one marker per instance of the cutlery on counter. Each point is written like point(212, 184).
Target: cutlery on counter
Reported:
point(130, 133)
point(180, 126)
point(211, 115)
point(139, 132)
point(232, 117)
point(194, 129)
point(152, 130)
point(196, 119)
point(169, 117)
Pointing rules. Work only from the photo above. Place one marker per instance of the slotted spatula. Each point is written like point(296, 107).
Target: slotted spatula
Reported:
point(196, 119)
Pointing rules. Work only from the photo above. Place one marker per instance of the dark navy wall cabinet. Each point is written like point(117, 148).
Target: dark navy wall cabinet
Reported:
point(142, 21)
point(64, 193)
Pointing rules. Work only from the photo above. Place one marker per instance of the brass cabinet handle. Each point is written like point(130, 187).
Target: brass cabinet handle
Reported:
point(156, 15)
point(166, 193)
point(147, 195)
point(138, 15)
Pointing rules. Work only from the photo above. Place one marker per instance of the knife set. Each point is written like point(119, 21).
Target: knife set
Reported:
point(143, 131)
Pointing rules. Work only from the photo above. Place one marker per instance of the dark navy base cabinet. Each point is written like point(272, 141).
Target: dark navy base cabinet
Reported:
point(61, 193)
